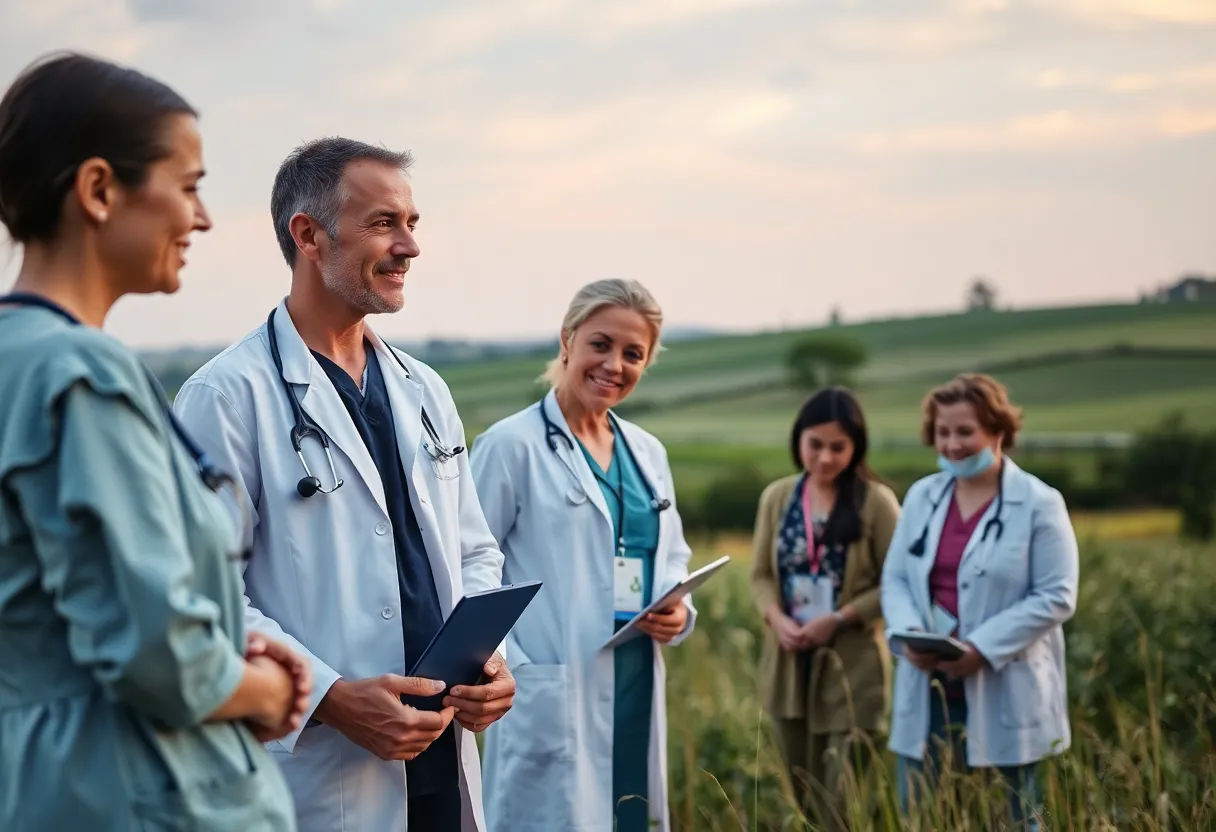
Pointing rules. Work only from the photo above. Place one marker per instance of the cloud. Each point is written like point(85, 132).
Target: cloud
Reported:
point(1058, 131)
point(1196, 77)
point(1201, 12)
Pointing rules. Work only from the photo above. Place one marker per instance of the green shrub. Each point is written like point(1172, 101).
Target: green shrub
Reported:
point(1174, 465)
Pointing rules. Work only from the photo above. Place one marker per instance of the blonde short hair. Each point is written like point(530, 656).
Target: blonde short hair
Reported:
point(993, 409)
point(613, 292)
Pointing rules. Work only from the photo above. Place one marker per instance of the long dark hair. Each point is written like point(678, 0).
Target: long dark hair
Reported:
point(837, 404)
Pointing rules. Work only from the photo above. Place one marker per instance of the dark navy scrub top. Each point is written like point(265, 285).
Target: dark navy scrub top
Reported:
point(435, 769)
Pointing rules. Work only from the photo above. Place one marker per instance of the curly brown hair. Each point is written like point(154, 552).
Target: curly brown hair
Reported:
point(993, 410)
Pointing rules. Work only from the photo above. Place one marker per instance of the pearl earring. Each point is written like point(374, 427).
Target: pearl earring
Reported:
point(101, 217)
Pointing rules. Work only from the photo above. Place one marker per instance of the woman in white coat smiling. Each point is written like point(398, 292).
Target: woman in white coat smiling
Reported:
point(984, 552)
point(584, 502)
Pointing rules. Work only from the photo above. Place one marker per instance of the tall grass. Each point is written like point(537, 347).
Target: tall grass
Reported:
point(1141, 665)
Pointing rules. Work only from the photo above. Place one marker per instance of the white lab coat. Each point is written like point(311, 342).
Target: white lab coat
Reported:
point(1014, 596)
point(548, 763)
point(323, 574)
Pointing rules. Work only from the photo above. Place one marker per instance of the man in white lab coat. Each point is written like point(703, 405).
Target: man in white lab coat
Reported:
point(367, 525)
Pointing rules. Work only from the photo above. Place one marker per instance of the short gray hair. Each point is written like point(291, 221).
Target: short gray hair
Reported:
point(310, 182)
point(613, 292)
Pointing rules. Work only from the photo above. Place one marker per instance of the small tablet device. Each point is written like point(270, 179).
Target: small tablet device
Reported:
point(458, 653)
point(943, 647)
point(676, 593)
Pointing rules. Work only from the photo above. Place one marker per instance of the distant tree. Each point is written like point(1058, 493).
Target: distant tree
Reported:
point(820, 359)
point(981, 295)
point(1174, 464)
point(834, 320)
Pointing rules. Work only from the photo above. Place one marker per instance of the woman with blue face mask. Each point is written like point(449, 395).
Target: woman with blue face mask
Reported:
point(983, 552)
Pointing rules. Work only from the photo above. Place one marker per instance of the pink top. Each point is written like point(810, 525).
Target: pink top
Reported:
point(943, 577)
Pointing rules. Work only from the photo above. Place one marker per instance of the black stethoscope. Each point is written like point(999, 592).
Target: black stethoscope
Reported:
point(211, 475)
point(305, 425)
point(917, 549)
point(553, 433)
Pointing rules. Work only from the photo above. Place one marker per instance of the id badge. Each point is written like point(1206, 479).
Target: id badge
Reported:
point(810, 598)
point(944, 624)
point(627, 587)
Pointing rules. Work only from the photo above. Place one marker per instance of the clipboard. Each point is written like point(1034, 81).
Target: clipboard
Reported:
point(458, 653)
point(684, 587)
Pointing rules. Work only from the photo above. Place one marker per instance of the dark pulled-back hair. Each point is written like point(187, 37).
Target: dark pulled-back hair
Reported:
point(62, 110)
point(837, 404)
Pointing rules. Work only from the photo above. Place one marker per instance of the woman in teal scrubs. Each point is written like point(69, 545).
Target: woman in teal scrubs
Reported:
point(128, 696)
point(584, 502)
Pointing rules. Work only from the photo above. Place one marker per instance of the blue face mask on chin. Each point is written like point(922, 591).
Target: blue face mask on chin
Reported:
point(972, 466)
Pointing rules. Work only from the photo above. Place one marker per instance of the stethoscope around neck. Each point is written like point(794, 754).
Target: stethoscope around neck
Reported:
point(304, 426)
point(553, 433)
point(917, 549)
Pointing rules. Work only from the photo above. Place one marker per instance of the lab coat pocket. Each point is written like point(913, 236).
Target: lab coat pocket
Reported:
point(1026, 688)
point(539, 718)
point(1008, 565)
point(908, 680)
point(533, 786)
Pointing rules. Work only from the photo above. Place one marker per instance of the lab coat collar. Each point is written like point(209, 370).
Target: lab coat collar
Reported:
point(406, 394)
point(641, 453)
point(572, 457)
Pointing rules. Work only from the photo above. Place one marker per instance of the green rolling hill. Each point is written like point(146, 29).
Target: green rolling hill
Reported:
point(1097, 369)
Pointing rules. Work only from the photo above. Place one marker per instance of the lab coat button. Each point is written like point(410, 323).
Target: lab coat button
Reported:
point(382, 528)
point(386, 613)
point(964, 584)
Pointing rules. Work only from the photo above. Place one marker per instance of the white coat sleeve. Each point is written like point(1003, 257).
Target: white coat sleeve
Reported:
point(898, 607)
point(1052, 600)
point(215, 424)
point(677, 559)
point(494, 480)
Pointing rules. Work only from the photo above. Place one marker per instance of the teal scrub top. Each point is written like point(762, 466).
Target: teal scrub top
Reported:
point(121, 607)
point(633, 693)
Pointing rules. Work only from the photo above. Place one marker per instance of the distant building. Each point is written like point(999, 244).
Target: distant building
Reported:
point(1191, 288)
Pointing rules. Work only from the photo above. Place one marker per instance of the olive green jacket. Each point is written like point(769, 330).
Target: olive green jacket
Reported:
point(845, 684)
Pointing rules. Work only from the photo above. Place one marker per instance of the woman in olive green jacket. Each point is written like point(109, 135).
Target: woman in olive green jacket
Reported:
point(825, 670)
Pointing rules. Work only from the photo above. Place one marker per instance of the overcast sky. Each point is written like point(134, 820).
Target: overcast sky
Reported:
point(753, 162)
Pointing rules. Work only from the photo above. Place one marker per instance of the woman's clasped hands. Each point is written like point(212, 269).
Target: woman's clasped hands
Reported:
point(795, 637)
point(284, 710)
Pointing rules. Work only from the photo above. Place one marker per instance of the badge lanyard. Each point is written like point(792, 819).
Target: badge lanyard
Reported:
point(618, 491)
point(814, 553)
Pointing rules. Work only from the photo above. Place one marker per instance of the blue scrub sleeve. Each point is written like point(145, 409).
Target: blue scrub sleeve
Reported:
point(105, 520)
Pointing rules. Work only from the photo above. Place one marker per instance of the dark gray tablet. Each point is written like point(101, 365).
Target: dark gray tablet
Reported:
point(943, 647)
point(458, 653)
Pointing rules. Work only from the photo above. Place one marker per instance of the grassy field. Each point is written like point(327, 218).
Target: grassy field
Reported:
point(1140, 676)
